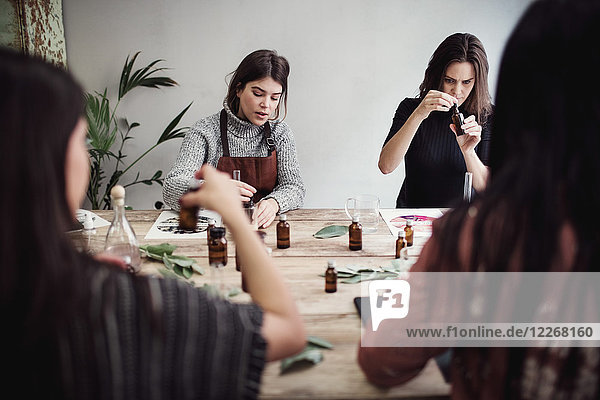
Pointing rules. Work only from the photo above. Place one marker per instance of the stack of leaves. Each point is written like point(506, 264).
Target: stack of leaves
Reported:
point(180, 265)
point(311, 353)
point(356, 274)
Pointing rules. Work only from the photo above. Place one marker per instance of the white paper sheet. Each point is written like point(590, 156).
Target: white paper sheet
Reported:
point(99, 222)
point(395, 219)
point(166, 226)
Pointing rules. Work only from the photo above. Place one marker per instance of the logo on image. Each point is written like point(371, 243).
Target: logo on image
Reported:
point(389, 300)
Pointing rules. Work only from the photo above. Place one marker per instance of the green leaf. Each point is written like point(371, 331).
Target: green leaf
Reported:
point(317, 341)
point(354, 279)
point(170, 132)
point(167, 274)
point(234, 291)
point(197, 268)
point(182, 261)
point(310, 355)
point(167, 262)
point(331, 231)
point(187, 272)
point(178, 270)
point(161, 249)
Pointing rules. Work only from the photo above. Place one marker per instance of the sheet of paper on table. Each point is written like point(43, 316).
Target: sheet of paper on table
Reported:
point(166, 226)
point(395, 219)
point(98, 221)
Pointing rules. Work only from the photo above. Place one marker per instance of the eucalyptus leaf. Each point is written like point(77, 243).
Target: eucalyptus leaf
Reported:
point(197, 268)
point(167, 262)
point(167, 274)
point(234, 291)
point(163, 248)
point(354, 279)
point(313, 356)
point(187, 272)
point(178, 270)
point(182, 261)
point(317, 341)
point(331, 231)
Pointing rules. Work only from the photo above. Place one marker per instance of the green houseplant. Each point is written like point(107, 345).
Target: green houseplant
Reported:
point(108, 133)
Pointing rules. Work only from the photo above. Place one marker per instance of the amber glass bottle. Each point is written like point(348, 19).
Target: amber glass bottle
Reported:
point(283, 232)
point(355, 234)
point(409, 232)
point(330, 277)
point(400, 242)
point(458, 120)
point(217, 248)
point(188, 216)
point(211, 224)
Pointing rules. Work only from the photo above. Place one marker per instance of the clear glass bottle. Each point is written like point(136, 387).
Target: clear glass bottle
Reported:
point(88, 233)
point(400, 242)
point(355, 234)
point(188, 216)
point(331, 277)
point(283, 232)
point(120, 239)
point(409, 232)
point(458, 120)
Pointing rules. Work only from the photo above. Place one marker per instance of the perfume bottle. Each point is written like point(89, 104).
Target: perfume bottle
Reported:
point(211, 224)
point(331, 277)
point(120, 239)
point(400, 242)
point(283, 232)
point(217, 248)
point(458, 120)
point(409, 232)
point(355, 234)
point(188, 216)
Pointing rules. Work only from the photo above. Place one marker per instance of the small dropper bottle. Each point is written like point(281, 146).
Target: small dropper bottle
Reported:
point(355, 234)
point(409, 232)
point(331, 277)
point(283, 232)
point(458, 120)
point(400, 242)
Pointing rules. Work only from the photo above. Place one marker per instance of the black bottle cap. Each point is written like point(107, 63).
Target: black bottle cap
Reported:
point(217, 232)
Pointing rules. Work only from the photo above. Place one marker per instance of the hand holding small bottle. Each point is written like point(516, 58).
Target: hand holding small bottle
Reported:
point(435, 100)
point(471, 137)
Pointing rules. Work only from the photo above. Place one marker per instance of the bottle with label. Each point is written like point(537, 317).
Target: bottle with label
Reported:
point(188, 216)
point(331, 277)
point(409, 232)
point(283, 232)
point(211, 224)
point(261, 235)
point(355, 234)
point(120, 239)
point(458, 120)
point(400, 242)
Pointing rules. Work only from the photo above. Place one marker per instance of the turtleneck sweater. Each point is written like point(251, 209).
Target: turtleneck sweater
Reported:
point(202, 144)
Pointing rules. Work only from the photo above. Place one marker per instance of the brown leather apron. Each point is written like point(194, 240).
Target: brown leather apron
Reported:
point(260, 172)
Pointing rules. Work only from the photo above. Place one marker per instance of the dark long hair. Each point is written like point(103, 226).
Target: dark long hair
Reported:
point(545, 170)
point(258, 65)
point(461, 47)
point(39, 108)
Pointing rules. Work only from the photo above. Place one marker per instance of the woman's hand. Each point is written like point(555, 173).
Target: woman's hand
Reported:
point(265, 212)
point(472, 136)
point(435, 100)
point(246, 191)
point(217, 193)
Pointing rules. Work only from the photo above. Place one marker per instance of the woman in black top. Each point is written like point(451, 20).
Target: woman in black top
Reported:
point(422, 131)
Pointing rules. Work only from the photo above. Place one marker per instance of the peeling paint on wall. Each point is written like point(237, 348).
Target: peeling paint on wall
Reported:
point(34, 27)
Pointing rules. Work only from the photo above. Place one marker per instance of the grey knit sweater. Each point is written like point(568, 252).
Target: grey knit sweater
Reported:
point(202, 144)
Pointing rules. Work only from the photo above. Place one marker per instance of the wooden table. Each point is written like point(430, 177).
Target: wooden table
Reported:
point(331, 316)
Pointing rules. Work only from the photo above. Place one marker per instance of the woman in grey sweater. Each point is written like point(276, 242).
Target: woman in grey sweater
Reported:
point(248, 136)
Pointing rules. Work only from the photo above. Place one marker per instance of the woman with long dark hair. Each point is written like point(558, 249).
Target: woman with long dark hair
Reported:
point(423, 135)
point(75, 327)
point(538, 212)
point(247, 135)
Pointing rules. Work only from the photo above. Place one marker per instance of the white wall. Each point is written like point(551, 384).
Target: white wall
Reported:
point(352, 62)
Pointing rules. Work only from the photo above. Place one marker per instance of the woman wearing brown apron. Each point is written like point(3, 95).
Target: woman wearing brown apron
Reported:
point(247, 135)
